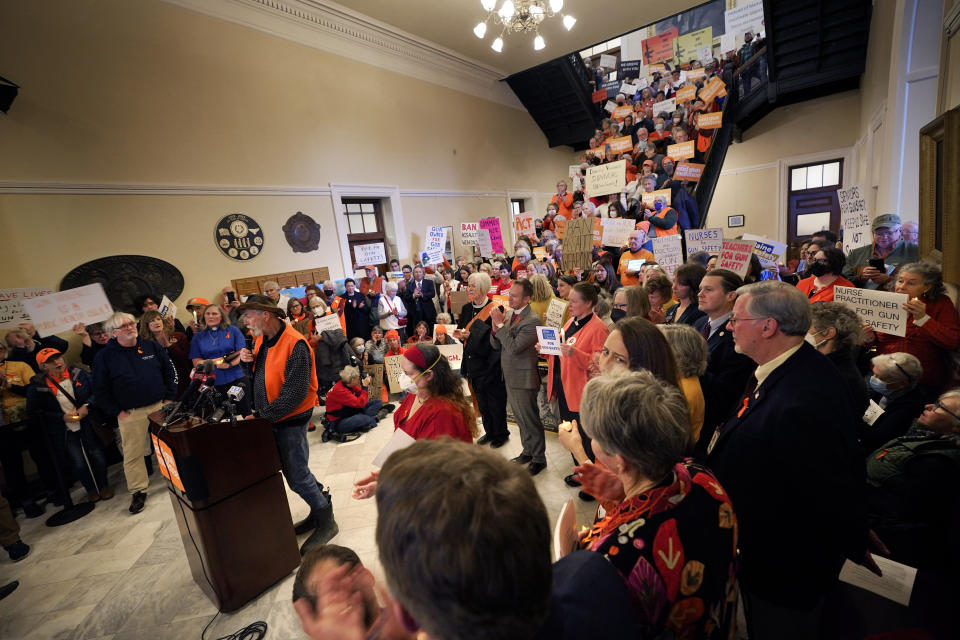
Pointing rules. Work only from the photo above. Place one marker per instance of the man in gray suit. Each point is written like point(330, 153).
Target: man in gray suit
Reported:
point(515, 335)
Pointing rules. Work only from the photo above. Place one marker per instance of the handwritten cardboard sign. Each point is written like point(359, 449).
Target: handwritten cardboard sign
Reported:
point(623, 144)
point(606, 178)
point(658, 47)
point(608, 62)
point(710, 120)
point(648, 198)
point(668, 251)
point(329, 322)
point(578, 244)
point(882, 310)
point(375, 371)
point(690, 171)
point(709, 240)
point(599, 95)
point(12, 312)
point(686, 94)
point(374, 253)
point(523, 224)
point(496, 238)
point(58, 312)
point(664, 107)
point(616, 231)
point(555, 310)
point(436, 239)
point(854, 218)
point(735, 256)
point(681, 150)
point(393, 373)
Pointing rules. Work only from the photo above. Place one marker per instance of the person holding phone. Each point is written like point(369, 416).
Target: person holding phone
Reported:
point(869, 267)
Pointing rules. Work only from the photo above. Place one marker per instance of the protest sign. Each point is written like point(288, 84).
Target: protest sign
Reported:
point(395, 275)
point(628, 89)
point(549, 340)
point(658, 47)
point(436, 239)
point(689, 43)
point(728, 43)
point(709, 240)
point(695, 74)
point(329, 322)
point(616, 231)
point(635, 265)
point(496, 238)
point(608, 62)
point(468, 234)
point(573, 171)
point(578, 244)
point(664, 107)
point(629, 69)
point(686, 94)
point(484, 244)
point(657, 68)
point(705, 54)
point(12, 312)
point(457, 300)
point(167, 308)
point(622, 112)
point(690, 171)
point(610, 106)
point(651, 197)
point(606, 178)
point(370, 253)
point(554, 315)
point(501, 301)
point(710, 120)
point(453, 353)
point(623, 144)
point(746, 16)
point(375, 371)
point(597, 232)
point(561, 228)
point(882, 310)
point(393, 373)
point(712, 89)
point(540, 253)
point(770, 252)
point(523, 224)
point(854, 219)
point(668, 252)
point(681, 150)
point(58, 312)
point(735, 255)
point(599, 95)
point(433, 256)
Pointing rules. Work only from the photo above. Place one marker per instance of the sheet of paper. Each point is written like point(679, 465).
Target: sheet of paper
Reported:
point(374, 253)
point(565, 533)
point(896, 583)
point(873, 412)
point(635, 265)
point(399, 440)
point(549, 339)
point(167, 308)
point(554, 315)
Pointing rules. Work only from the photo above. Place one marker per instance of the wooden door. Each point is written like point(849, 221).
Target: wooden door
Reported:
point(812, 199)
point(365, 225)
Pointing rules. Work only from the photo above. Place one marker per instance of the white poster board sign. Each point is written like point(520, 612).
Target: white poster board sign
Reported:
point(468, 234)
point(882, 310)
point(607, 178)
point(549, 340)
point(58, 312)
point(167, 308)
point(896, 583)
point(745, 16)
point(769, 251)
point(664, 106)
point(616, 231)
point(610, 106)
point(728, 43)
point(709, 240)
point(483, 241)
point(628, 90)
point(555, 310)
point(854, 219)
point(329, 322)
point(608, 62)
point(12, 312)
point(668, 251)
point(453, 353)
point(370, 253)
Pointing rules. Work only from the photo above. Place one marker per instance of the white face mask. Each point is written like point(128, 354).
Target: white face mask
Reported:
point(812, 339)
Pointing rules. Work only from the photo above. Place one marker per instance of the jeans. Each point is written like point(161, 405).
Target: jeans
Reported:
point(363, 421)
point(294, 456)
point(85, 442)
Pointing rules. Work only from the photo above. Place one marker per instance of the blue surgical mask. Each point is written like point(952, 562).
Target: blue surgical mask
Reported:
point(658, 205)
point(878, 385)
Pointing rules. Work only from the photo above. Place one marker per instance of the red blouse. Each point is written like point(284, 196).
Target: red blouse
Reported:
point(930, 343)
point(438, 417)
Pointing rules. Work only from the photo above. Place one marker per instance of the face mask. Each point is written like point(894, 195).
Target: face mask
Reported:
point(812, 339)
point(617, 315)
point(658, 127)
point(818, 269)
point(361, 348)
point(668, 168)
point(658, 206)
point(878, 385)
point(328, 293)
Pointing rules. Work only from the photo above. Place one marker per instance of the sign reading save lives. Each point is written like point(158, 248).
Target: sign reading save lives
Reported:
point(882, 310)
point(11, 309)
point(605, 179)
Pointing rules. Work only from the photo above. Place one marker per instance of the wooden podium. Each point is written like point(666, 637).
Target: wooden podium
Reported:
point(231, 507)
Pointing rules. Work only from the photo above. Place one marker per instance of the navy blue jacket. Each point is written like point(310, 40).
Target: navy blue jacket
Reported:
point(127, 378)
point(427, 310)
point(42, 405)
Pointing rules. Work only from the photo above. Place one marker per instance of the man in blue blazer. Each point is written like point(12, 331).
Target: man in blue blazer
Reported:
point(421, 292)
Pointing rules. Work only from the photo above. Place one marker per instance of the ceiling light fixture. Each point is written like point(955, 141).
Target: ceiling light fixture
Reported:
point(521, 16)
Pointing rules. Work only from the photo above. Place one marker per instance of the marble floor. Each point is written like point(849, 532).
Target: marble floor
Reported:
point(116, 576)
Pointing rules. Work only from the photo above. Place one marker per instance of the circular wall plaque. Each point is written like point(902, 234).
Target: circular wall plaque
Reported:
point(239, 237)
point(124, 278)
point(302, 233)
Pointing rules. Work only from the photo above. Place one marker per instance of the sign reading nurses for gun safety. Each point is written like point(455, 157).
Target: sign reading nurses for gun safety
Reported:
point(882, 310)
point(709, 240)
point(58, 312)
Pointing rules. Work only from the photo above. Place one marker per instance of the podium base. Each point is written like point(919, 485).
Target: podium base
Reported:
point(69, 514)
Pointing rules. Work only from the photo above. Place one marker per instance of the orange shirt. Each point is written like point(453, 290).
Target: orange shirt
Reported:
point(625, 258)
point(564, 204)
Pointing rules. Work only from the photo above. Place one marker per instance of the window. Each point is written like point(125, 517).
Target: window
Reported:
point(815, 176)
point(361, 216)
point(516, 206)
point(812, 202)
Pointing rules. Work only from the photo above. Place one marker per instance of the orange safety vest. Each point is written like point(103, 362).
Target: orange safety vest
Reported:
point(276, 364)
point(672, 231)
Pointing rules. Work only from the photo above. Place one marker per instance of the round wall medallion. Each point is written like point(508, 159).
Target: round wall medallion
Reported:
point(124, 278)
point(302, 233)
point(239, 237)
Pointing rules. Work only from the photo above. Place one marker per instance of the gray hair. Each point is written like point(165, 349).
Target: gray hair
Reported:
point(392, 285)
point(842, 318)
point(349, 373)
point(522, 252)
point(778, 300)
point(271, 284)
point(638, 416)
point(329, 284)
point(480, 280)
point(443, 318)
point(113, 323)
point(898, 367)
point(953, 394)
point(689, 349)
point(931, 274)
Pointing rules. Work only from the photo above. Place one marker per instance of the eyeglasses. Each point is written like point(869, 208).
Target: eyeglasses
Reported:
point(938, 405)
point(127, 325)
point(886, 234)
point(810, 253)
point(734, 320)
point(622, 306)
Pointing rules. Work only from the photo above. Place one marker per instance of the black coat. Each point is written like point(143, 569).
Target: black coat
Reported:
point(897, 417)
point(481, 362)
point(421, 308)
point(792, 466)
point(856, 385)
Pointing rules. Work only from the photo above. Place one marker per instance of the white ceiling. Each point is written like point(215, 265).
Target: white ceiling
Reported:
point(450, 24)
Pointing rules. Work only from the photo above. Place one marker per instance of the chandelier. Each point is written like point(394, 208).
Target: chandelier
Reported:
point(521, 16)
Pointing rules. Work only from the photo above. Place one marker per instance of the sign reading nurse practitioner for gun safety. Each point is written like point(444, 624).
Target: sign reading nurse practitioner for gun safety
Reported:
point(607, 178)
point(882, 310)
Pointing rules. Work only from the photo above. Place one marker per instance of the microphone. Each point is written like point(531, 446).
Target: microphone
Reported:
point(197, 377)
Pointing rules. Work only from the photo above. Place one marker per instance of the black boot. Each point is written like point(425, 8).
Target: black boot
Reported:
point(326, 529)
point(306, 525)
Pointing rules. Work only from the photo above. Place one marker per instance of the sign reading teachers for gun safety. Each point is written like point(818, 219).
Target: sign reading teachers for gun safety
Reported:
point(58, 312)
point(735, 255)
point(882, 310)
point(608, 178)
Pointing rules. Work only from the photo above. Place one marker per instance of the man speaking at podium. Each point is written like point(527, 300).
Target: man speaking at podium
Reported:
point(285, 393)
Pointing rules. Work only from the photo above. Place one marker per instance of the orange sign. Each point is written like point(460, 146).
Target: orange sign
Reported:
point(659, 47)
point(712, 89)
point(681, 151)
point(686, 94)
point(502, 300)
point(688, 171)
point(695, 74)
point(710, 120)
point(623, 144)
point(657, 68)
point(166, 463)
point(622, 112)
point(597, 233)
point(561, 228)
point(648, 198)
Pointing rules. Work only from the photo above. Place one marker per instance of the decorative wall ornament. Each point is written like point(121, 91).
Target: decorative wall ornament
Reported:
point(302, 233)
point(239, 237)
point(124, 278)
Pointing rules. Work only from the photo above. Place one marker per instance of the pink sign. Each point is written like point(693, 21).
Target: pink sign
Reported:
point(496, 238)
point(735, 256)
